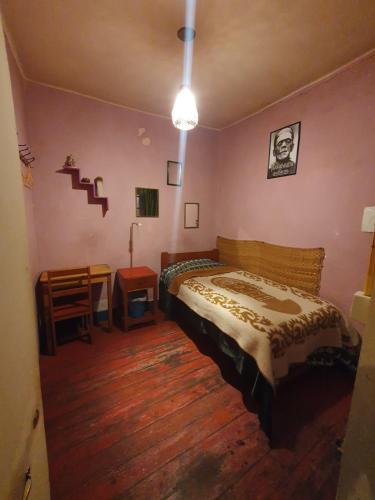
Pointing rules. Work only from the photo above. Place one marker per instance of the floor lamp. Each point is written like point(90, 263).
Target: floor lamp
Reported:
point(131, 246)
point(368, 226)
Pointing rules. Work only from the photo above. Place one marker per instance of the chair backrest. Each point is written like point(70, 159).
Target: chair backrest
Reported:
point(68, 283)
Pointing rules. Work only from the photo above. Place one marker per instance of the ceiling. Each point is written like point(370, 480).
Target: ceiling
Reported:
point(247, 54)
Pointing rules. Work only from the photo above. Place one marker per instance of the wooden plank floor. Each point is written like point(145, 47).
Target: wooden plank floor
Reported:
point(149, 414)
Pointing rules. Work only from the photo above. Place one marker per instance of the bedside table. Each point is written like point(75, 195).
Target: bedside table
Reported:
point(132, 279)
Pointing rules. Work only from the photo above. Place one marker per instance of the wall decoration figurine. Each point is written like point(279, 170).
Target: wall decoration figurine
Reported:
point(99, 190)
point(70, 162)
point(283, 151)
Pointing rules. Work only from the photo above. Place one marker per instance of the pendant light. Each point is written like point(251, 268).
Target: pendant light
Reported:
point(184, 112)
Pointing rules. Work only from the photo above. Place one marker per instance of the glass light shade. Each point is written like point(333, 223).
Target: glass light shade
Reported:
point(184, 112)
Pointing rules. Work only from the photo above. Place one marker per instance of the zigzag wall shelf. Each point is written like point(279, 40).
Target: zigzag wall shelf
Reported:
point(85, 186)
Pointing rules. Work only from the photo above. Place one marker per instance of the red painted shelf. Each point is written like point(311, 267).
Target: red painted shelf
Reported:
point(85, 186)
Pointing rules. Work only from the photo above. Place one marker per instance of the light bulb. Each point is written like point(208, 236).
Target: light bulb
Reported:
point(184, 112)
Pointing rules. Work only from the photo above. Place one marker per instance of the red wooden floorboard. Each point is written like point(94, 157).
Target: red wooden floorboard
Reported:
point(121, 451)
point(95, 386)
point(100, 415)
point(148, 414)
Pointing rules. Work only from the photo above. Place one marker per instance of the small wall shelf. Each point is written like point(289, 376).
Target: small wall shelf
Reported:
point(85, 186)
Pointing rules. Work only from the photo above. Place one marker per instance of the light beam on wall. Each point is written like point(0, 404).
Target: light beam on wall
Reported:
point(185, 112)
point(186, 79)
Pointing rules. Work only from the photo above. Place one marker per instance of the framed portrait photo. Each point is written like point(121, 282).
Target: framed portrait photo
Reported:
point(191, 215)
point(174, 173)
point(283, 151)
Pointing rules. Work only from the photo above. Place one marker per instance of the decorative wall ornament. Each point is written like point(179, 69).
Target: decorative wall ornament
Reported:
point(84, 184)
point(146, 141)
point(27, 159)
point(25, 154)
point(146, 202)
point(70, 162)
point(27, 177)
point(283, 151)
point(99, 189)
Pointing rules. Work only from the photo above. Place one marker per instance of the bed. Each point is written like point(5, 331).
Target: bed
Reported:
point(259, 303)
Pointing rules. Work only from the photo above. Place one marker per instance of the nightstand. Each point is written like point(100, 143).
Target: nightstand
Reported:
point(132, 279)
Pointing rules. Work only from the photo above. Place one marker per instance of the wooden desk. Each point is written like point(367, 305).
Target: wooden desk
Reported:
point(100, 273)
point(133, 279)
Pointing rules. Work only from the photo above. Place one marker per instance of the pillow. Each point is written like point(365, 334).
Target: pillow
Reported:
point(173, 270)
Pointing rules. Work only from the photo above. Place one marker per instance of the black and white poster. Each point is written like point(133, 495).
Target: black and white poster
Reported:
point(283, 152)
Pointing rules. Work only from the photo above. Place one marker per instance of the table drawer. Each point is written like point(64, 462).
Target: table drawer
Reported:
point(139, 283)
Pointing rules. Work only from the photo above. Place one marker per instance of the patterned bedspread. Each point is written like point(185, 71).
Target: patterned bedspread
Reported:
point(276, 324)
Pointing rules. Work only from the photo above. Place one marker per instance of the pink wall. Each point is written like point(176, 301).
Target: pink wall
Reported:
point(19, 90)
point(322, 204)
point(104, 141)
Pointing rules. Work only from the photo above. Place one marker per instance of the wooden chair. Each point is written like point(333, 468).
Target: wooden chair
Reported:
point(69, 295)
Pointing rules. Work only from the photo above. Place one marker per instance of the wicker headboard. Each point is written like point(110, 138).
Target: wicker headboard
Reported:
point(297, 267)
